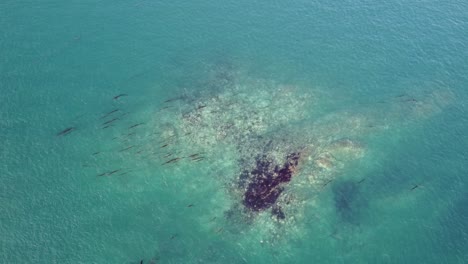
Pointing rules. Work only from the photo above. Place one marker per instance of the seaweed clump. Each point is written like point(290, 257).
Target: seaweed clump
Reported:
point(266, 184)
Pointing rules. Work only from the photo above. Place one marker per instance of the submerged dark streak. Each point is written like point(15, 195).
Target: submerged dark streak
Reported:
point(109, 113)
point(110, 121)
point(120, 95)
point(171, 161)
point(135, 125)
point(126, 148)
point(66, 131)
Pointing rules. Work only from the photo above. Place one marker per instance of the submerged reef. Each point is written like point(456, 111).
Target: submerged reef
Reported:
point(265, 183)
point(241, 154)
point(254, 141)
point(249, 136)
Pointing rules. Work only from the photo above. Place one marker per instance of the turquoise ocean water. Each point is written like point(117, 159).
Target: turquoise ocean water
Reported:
point(373, 93)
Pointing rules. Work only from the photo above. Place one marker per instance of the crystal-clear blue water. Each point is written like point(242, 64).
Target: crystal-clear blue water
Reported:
point(373, 94)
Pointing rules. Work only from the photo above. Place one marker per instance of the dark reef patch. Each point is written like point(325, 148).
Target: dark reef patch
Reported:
point(265, 183)
point(348, 201)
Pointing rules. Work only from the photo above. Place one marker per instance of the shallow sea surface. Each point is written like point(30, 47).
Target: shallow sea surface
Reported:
point(373, 94)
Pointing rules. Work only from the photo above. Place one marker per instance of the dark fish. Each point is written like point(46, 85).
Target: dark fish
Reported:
point(109, 113)
point(112, 172)
point(194, 155)
point(120, 95)
point(173, 99)
point(130, 134)
point(361, 181)
point(165, 145)
point(201, 107)
point(198, 159)
point(139, 124)
point(66, 131)
point(126, 149)
point(171, 161)
point(110, 121)
point(107, 126)
point(95, 153)
point(219, 230)
point(414, 187)
point(327, 183)
point(109, 173)
point(167, 155)
point(173, 236)
point(141, 261)
point(190, 205)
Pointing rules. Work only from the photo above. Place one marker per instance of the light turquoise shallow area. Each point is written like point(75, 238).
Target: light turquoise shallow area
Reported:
point(62, 62)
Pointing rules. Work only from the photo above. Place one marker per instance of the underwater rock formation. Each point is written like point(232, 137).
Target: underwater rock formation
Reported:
point(265, 183)
point(231, 118)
